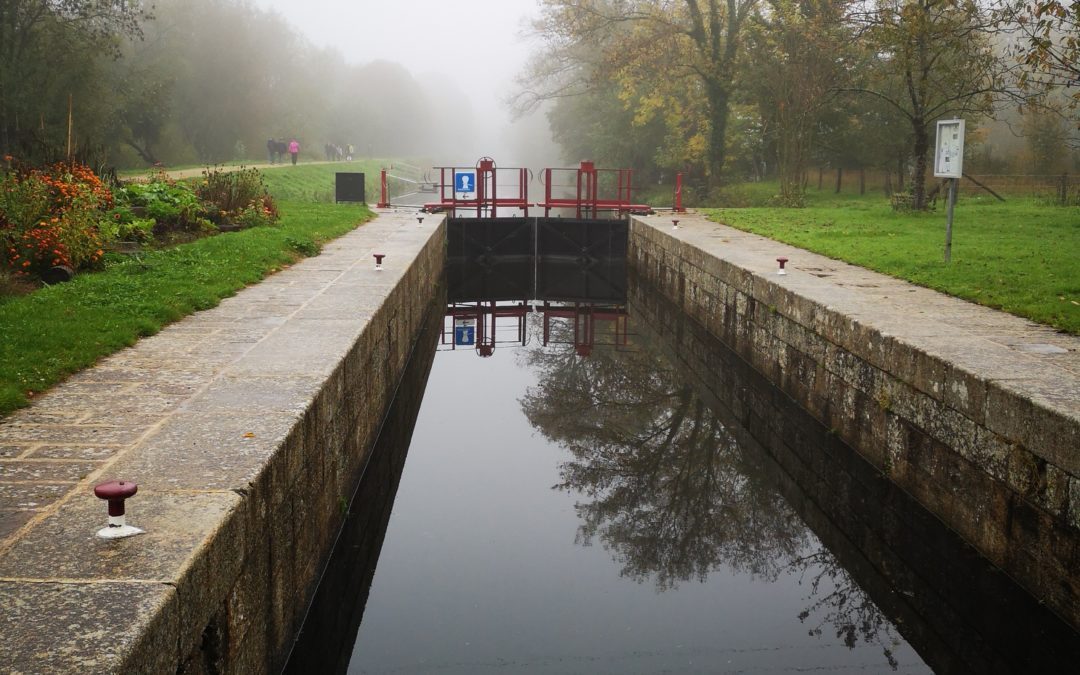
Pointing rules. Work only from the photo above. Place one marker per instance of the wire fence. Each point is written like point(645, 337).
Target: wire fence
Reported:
point(1062, 188)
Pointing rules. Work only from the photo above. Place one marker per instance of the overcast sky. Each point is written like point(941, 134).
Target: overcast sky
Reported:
point(479, 45)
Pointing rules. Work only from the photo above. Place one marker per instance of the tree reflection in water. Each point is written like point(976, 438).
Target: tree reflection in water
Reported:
point(671, 494)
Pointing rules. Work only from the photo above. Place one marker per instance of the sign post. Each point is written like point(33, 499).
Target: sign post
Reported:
point(949, 163)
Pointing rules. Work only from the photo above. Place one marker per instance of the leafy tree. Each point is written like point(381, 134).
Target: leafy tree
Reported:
point(50, 45)
point(1048, 43)
point(929, 60)
point(1047, 139)
point(692, 44)
point(799, 48)
point(595, 126)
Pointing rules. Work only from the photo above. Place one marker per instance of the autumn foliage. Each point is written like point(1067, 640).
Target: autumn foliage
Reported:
point(49, 216)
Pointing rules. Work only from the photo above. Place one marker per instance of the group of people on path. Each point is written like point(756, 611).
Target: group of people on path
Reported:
point(277, 149)
point(338, 153)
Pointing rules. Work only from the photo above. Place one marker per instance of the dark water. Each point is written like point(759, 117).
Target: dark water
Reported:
point(562, 546)
point(653, 507)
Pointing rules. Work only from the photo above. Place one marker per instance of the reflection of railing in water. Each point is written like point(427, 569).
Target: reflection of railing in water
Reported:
point(484, 324)
point(498, 270)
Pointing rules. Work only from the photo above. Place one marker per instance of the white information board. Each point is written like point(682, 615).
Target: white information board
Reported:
point(949, 156)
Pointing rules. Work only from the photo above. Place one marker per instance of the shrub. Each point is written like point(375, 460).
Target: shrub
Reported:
point(50, 217)
point(172, 205)
point(237, 197)
point(902, 202)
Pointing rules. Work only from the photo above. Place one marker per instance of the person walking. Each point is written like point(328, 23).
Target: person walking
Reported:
point(294, 150)
point(271, 146)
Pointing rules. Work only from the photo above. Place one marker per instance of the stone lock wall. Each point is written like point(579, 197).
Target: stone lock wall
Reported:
point(291, 516)
point(997, 465)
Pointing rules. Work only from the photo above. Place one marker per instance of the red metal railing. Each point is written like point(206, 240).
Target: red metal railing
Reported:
point(590, 191)
point(587, 190)
point(489, 194)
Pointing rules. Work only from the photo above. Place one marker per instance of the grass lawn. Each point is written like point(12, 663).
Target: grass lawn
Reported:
point(56, 331)
point(1020, 256)
point(315, 182)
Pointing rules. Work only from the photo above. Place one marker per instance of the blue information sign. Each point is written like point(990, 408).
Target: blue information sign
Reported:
point(465, 181)
point(465, 336)
point(464, 332)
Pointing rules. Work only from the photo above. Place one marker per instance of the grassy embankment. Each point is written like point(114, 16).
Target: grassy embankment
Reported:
point(59, 330)
point(1019, 256)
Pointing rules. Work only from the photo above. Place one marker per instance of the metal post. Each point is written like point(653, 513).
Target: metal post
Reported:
point(678, 193)
point(949, 219)
point(384, 202)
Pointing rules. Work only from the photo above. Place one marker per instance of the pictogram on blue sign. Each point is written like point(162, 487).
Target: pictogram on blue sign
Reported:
point(464, 332)
point(465, 181)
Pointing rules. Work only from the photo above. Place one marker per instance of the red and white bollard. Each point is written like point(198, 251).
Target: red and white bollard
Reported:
point(783, 261)
point(378, 261)
point(116, 491)
point(674, 224)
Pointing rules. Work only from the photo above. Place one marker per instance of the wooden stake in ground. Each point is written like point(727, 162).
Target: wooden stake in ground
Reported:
point(70, 101)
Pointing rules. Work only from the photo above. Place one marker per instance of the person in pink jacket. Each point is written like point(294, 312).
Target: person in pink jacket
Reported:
point(294, 150)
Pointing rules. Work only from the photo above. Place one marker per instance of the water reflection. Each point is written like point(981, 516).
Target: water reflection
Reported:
point(670, 491)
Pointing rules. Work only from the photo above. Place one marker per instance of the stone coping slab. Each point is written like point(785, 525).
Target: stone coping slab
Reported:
point(193, 415)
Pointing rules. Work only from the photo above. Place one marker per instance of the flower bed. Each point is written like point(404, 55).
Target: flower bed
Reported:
point(62, 216)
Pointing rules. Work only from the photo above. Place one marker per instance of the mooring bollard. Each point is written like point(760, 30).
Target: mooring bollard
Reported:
point(674, 223)
point(116, 491)
point(378, 261)
point(783, 261)
point(419, 220)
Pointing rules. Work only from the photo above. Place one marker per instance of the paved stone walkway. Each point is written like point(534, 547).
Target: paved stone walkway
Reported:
point(191, 414)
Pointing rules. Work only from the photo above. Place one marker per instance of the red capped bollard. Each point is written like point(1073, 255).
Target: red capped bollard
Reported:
point(378, 261)
point(783, 261)
point(116, 491)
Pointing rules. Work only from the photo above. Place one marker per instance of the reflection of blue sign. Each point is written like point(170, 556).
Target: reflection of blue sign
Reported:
point(465, 181)
point(464, 332)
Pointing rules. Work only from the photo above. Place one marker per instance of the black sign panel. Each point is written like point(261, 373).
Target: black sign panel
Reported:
point(349, 187)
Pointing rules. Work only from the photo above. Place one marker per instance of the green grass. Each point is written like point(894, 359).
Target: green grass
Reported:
point(1020, 256)
point(315, 182)
point(56, 331)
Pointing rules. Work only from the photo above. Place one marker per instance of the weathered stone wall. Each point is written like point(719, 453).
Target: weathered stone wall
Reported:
point(292, 514)
point(996, 465)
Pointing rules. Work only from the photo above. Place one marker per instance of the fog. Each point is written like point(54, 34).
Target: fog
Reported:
point(469, 50)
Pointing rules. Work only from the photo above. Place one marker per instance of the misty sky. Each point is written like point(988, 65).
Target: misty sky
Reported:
point(477, 44)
